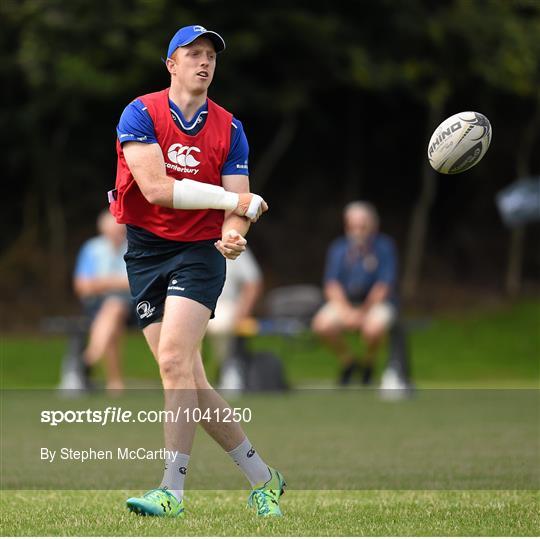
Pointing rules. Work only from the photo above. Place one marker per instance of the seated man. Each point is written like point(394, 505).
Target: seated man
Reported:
point(243, 287)
point(100, 281)
point(359, 286)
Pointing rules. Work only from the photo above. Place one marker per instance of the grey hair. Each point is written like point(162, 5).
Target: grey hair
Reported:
point(362, 206)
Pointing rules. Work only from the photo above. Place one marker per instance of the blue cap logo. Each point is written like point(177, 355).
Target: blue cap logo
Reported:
point(188, 34)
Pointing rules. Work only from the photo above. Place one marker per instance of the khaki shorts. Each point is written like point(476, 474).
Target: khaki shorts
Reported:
point(380, 314)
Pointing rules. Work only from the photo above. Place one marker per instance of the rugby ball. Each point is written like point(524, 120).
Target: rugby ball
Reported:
point(459, 142)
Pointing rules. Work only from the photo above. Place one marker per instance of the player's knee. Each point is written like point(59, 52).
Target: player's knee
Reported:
point(172, 367)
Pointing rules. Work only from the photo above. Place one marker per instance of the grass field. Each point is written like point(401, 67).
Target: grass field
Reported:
point(314, 513)
point(442, 463)
point(497, 348)
point(440, 439)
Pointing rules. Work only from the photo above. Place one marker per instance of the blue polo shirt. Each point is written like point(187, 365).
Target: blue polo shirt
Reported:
point(136, 125)
point(358, 270)
point(98, 258)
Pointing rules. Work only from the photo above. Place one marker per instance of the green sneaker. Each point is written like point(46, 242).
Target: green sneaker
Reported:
point(265, 497)
point(158, 502)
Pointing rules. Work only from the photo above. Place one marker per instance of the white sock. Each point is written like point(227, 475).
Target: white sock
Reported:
point(251, 463)
point(176, 466)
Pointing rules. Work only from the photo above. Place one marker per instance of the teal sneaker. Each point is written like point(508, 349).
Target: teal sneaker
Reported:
point(158, 502)
point(265, 497)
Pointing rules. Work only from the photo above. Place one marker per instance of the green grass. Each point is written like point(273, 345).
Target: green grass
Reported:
point(313, 513)
point(461, 443)
point(319, 439)
point(498, 348)
point(413, 456)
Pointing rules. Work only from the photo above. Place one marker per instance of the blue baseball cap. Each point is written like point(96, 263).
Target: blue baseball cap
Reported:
point(188, 34)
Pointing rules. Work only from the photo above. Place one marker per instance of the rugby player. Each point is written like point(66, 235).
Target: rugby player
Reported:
point(182, 189)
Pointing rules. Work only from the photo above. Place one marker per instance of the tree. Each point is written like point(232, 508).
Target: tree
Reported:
point(513, 50)
point(448, 47)
point(321, 88)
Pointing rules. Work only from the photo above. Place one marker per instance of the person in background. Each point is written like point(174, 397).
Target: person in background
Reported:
point(101, 283)
point(243, 287)
point(360, 290)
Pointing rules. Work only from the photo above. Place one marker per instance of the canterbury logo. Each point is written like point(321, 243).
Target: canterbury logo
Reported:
point(182, 155)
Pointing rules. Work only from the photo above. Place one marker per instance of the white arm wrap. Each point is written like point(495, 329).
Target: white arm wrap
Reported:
point(254, 205)
point(192, 195)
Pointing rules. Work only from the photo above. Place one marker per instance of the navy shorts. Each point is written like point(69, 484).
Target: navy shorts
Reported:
point(194, 270)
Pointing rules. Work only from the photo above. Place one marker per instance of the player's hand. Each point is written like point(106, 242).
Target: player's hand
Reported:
point(232, 245)
point(251, 206)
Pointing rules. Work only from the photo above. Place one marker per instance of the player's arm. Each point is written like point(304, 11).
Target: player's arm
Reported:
point(235, 227)
point(146, 163)
point(237, 183)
